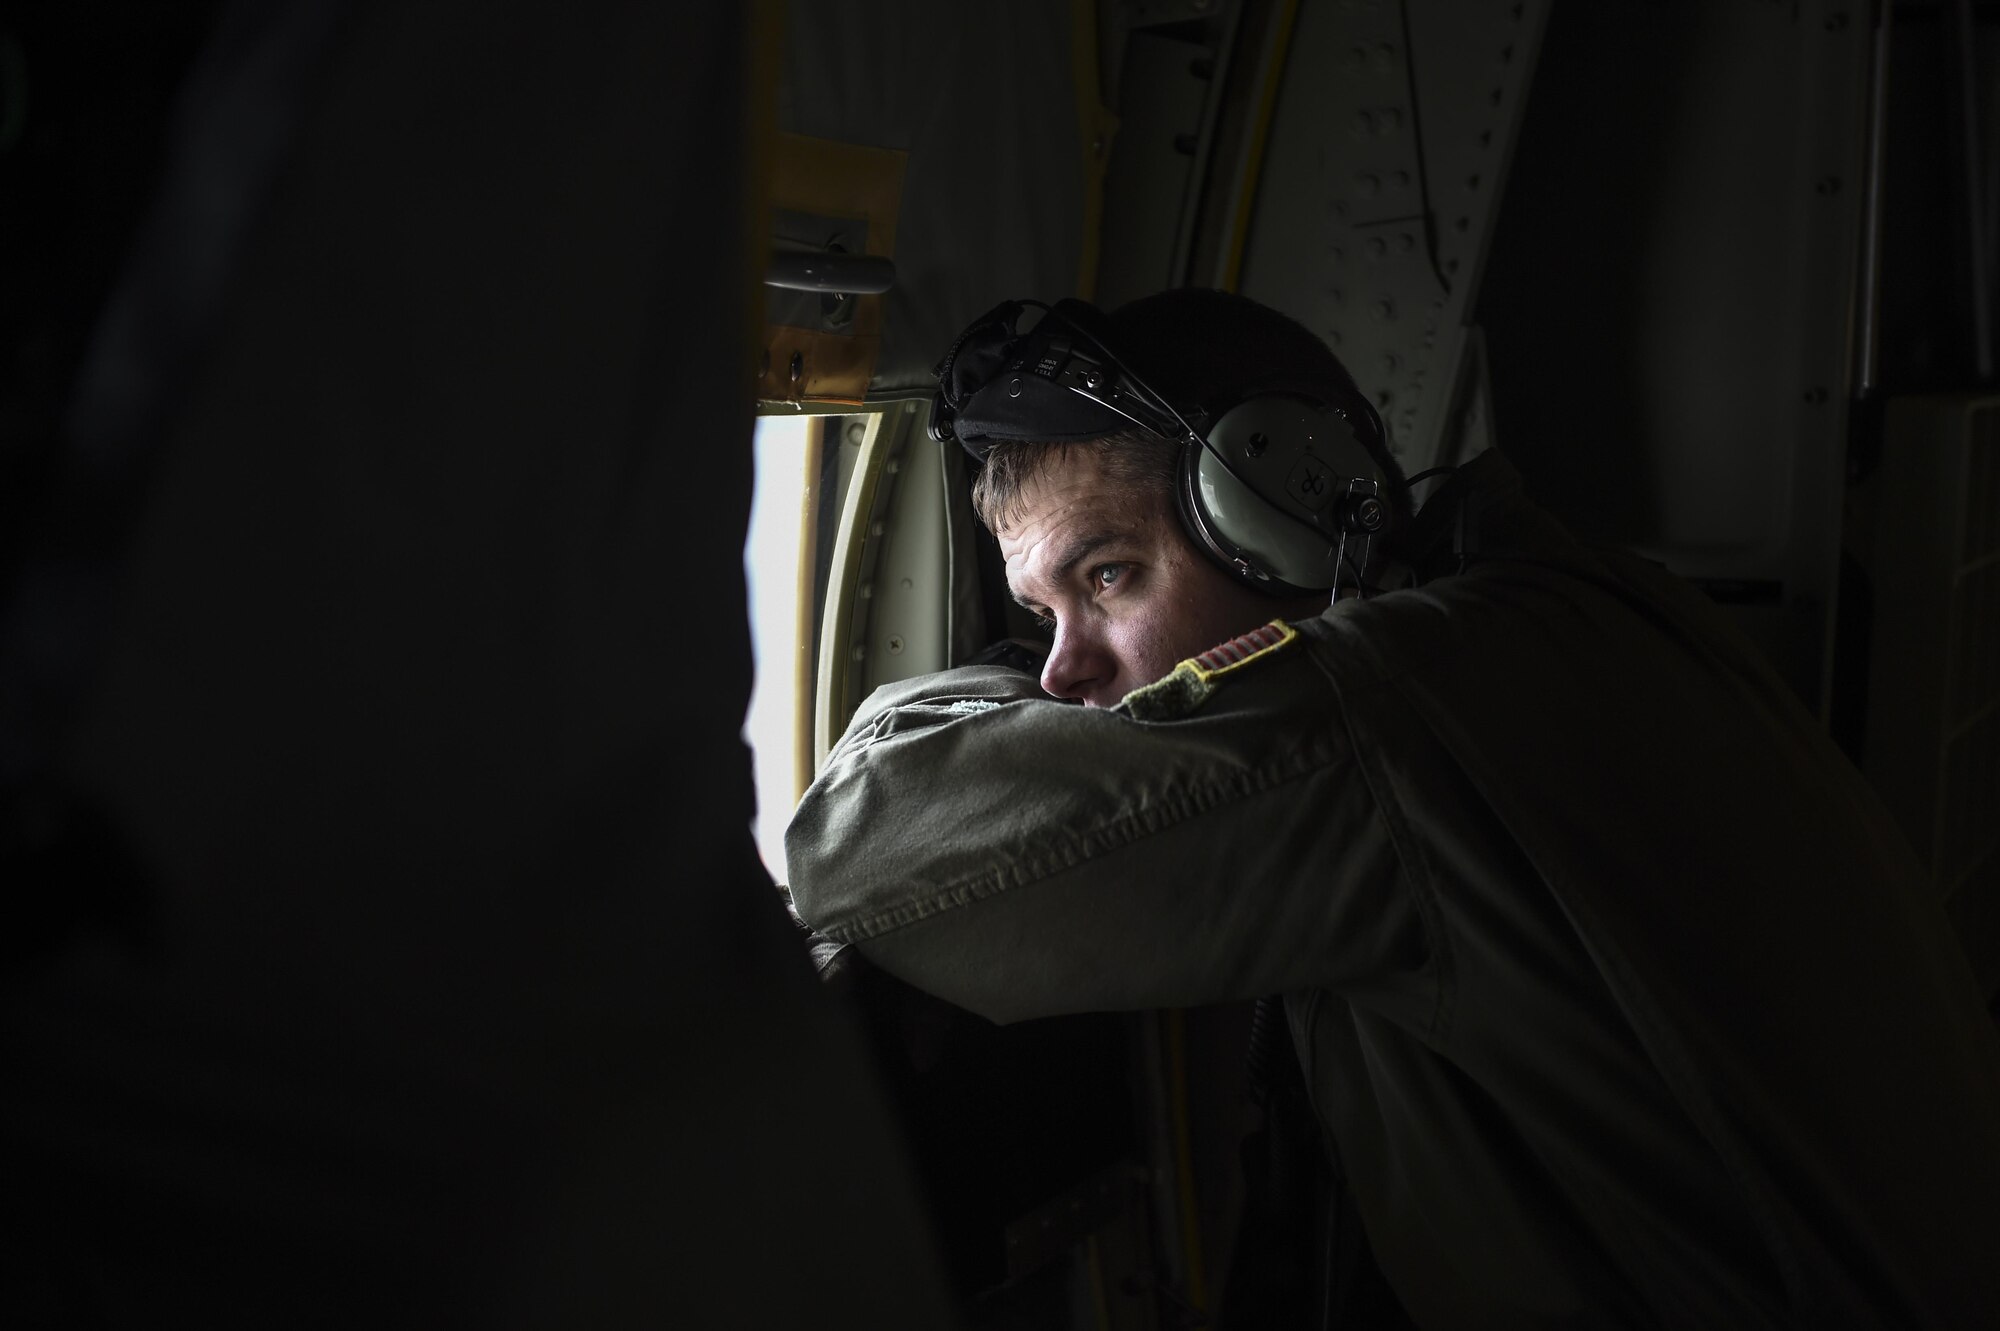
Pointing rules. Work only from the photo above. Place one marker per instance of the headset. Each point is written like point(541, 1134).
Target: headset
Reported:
point(1273, 486)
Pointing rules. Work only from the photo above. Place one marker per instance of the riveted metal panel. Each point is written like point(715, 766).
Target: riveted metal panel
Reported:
point(1387, 150)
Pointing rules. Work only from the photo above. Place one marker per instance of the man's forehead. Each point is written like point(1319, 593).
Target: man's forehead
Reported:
point(1060, 498)
point(1055, 551)
point(1069, 489)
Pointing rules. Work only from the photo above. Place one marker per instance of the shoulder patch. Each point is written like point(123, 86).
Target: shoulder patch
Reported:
point(1196, 679)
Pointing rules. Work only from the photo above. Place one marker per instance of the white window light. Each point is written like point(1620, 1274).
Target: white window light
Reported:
point(772, 564)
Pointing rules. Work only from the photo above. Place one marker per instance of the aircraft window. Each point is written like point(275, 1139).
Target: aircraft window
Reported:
point(854, 564)
point(778, 726)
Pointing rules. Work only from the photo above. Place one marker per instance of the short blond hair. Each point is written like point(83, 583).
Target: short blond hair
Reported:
point(1140, 463)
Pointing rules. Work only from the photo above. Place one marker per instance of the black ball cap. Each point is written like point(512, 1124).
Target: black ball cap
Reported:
point(989, 392)
point(1203, 348)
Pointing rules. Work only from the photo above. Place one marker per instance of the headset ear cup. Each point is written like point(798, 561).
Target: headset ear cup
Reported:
point(1280, 486)
point(1242, 533)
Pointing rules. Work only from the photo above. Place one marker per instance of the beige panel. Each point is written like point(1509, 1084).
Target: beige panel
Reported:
point(844, 180)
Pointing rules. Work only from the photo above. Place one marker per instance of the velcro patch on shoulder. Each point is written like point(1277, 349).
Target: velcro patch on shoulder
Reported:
point(1196, 679)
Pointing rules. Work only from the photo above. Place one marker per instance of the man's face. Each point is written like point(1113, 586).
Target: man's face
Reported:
point(1128, 594)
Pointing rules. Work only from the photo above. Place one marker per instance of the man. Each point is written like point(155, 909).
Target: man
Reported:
point(1620, 1001)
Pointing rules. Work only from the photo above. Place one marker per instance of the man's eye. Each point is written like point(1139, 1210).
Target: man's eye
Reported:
point(1105, 576)
point(1045, 622)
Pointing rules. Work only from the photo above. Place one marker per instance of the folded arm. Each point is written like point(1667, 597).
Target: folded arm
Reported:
point(1022, 857)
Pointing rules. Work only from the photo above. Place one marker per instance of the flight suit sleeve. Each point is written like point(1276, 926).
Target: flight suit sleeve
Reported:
point(1021, 857)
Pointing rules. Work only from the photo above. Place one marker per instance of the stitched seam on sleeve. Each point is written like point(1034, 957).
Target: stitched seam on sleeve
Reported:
point(1172, 809)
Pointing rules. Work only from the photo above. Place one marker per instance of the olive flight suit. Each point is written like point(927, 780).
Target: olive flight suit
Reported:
point(1620, 999)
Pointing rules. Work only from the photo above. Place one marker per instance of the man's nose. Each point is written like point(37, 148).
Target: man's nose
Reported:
point(1077, 663)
